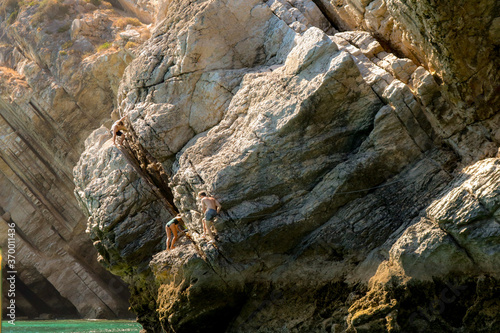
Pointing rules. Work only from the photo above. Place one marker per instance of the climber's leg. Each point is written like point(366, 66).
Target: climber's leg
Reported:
point(204, 223)
point(208, 225)
point(169, 234)
point(174, 231)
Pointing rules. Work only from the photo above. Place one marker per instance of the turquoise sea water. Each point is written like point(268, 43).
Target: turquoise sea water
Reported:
point(71, 326)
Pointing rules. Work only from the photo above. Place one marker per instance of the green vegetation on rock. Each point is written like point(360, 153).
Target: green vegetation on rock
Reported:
point(104, 46)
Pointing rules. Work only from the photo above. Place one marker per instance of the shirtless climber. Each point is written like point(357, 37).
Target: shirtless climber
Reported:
point(117, 129)
point(211, 208)
point(172, 227)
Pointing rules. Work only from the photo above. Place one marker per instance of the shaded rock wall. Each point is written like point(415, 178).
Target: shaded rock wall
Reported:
point(57, 83)
point(337, 160)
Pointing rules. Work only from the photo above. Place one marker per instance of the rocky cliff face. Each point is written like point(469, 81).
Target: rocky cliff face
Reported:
point(61, 63)
point(352, 145)
point(354, 168)
point(457, 42)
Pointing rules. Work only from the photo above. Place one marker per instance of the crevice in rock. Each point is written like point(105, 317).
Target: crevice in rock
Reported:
point(209, 263)
point(149, 169)
point(378, 96)
point(329, 17)
point(389, 48)
point(155, 176)
point(457, 244)
point(419, 121)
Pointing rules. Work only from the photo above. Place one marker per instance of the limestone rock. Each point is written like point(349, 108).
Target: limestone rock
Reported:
point(324, 151)
point(356, 169)
point(444, 38)
point(130, 35)
point(146, 10)
point(53, 92)
point(111, 186)
point(321, 149)
point(468, 213)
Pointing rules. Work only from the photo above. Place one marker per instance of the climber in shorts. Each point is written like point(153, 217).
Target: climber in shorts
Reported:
point(172, 227)
point(211, 208)
point(117, 130)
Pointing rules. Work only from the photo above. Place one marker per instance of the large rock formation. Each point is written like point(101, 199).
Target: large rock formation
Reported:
point(351, 143)
point(60, 65)
point(358, 186)
point(456, 41)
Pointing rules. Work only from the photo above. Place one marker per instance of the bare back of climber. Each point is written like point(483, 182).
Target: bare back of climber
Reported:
point(172, 227)
point(211, 208)
point(117, 130)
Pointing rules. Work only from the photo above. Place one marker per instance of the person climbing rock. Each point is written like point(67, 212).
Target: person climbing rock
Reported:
point(172, 227)
point(211, 208)
point(117, 130)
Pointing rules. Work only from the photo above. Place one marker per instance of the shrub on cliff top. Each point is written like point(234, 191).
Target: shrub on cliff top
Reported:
point(130, 45)
point(50, 10)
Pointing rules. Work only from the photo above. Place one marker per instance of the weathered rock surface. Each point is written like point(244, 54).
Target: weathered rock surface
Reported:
point(337, 164)
point(146, 10)
point(56, 85)
point(457, 42)
point(356, 169)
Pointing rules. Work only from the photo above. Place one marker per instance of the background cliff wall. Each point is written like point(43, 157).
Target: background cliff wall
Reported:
point(357, 169)
point(60, 65)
